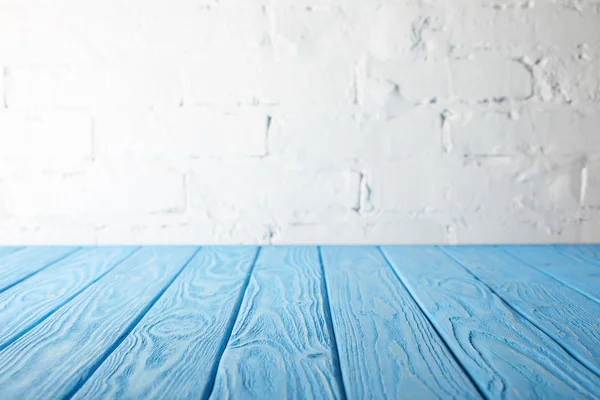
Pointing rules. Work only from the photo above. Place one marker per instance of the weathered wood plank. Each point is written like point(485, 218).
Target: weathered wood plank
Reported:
point(20, 265)
point(570, 318)
point(408, 358)
point(280, 346)
point(56, 356)
point(506, 355)
point(579, 275)
point(174, 349)
point(4, 251)
point(586, 253)
point(24, 305)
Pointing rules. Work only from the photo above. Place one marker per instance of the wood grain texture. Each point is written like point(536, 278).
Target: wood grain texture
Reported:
point(506, 355)
point(579, 275)
point(56, 356)
point(24, 305)
point(174, 349)
point(22, 264)
point(570, 318)
point(4, 251)
point(388, 349)
point(280, 346)
point(584, 252)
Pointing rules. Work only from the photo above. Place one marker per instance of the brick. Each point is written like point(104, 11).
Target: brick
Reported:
point(487, 77)
point(95, 87)
point(190, 232)
point(414, 133)
point(486, 185)
point(57, 134)
point(41, 33)
point(31, 87)
point(473, 27)
point(388, 122)
point(416, 80)
point(273, 191)
point(182, 133)
point(554, 130)
point(316, 133)
point(35, 234)
point(110, 189)
point(567, 79)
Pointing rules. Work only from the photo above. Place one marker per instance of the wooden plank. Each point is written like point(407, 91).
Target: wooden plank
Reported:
point(175, 347)
point(506, 355)
point(34, 299)
point(570, 318)
point(407, 359)
point(280, 346)
point(56, 356)
point(20, 265)
point(4, 251)
point(579, 275)
point(586, 253)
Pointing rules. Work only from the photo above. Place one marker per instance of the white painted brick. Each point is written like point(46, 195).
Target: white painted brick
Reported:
point(532, 228)
point(488, 77)
point(30, 87)
point(568, 79)
point(205, 232)
point(40, 33)
point(3, 73)
point(553, 130)
point(282, 56)
point(34, 235)
point(144, 83)
point(422, 121)
point(383, 229)
point(57, 134)
point(274, 191)
point(413, 133)
point(472, 27)
point(574, 24)
point(413, 186)
point(184, 132)
point(109, 189)
point(96, 87)
point(417, 80)
point(285, 79)
point(317, 133)
point(488, 185)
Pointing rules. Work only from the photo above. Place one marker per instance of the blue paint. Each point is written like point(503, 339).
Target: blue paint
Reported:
point(280, 346)
point(20, 265)
point(408, 358)
point(507, 356)
point(579, 275)
point(179, 339)
point(35, 299)
point(564, 314)
point(356, 322)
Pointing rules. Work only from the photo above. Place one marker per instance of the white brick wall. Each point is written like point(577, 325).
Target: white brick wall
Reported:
point(331, 121)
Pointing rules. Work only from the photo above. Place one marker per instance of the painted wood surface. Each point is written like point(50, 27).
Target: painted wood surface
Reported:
point(24, 305)
point(506, 355)
point(173, 351)
point(18, 266)
point(280, 346)
point(570, 318)
point(408, 359)
point(579, 275)
point(4, 251)
point(55, 357)
point(587, 253)
point(172, 322)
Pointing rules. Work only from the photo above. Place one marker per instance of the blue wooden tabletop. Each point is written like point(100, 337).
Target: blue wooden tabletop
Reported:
point(418, 322)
